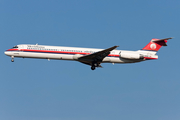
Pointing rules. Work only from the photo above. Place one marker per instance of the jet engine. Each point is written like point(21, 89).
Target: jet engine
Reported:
point(131, 55)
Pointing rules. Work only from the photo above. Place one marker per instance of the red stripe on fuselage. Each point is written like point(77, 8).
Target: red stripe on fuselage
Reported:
point(12, 49)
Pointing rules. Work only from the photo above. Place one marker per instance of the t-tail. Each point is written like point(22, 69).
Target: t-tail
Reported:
point(150, 50)
point(156, 44)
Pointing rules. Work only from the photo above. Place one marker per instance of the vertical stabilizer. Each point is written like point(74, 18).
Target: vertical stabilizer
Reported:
point(156, 44)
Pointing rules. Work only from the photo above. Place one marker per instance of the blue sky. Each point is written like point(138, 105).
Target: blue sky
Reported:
point(33, 89)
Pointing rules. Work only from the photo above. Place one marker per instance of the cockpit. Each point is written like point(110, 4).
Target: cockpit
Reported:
point(15, 46)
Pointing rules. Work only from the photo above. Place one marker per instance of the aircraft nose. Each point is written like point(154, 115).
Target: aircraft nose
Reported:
point(7, 52)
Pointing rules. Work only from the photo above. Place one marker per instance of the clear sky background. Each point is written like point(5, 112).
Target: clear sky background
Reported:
point(36, 89)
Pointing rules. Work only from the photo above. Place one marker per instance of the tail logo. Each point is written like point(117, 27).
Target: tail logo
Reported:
point(153, 46)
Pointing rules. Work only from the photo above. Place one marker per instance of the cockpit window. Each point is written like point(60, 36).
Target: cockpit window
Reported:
point(15, 46)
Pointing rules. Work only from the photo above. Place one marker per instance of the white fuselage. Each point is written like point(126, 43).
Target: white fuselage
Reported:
point(73, 53)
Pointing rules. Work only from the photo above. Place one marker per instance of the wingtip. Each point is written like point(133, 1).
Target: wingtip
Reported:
point(116, 46)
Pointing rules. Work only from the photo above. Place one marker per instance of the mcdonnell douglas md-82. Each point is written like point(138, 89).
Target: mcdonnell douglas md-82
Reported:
point(88, 56)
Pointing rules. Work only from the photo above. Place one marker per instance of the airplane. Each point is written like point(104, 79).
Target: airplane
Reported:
point(88, 56)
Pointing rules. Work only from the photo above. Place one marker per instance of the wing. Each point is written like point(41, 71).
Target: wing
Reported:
point(96, 57)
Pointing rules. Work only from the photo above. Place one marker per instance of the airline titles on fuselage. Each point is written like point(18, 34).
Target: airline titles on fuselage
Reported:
point(36, 47)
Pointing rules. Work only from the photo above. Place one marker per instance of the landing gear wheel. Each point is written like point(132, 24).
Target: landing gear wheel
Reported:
point(93, 67)
point(12, 60)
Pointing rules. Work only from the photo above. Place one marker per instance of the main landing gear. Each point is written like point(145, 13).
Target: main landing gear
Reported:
point(94, 65)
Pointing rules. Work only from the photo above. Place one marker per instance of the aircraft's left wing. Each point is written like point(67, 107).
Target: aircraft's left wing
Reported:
point(96, 57)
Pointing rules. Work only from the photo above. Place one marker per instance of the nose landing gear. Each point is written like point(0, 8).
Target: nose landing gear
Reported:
point(12, 58)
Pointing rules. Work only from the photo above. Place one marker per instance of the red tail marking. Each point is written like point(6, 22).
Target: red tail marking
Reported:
point(154, 46)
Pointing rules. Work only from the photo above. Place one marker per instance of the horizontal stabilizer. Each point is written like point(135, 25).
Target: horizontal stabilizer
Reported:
point(159, 40)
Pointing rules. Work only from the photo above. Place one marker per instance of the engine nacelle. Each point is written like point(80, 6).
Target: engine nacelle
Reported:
point(131, 55)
